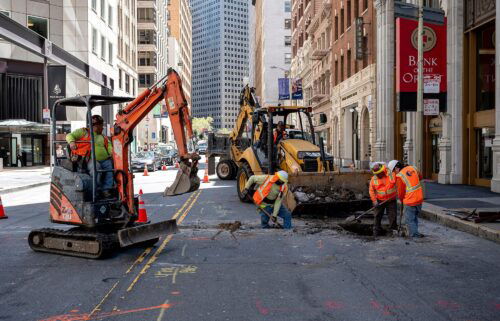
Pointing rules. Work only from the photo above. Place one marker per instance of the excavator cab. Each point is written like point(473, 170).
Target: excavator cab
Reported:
point(102, 224)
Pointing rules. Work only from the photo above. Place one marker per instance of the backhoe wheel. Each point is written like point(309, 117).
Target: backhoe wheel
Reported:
point(224, 170)
point(244, 173)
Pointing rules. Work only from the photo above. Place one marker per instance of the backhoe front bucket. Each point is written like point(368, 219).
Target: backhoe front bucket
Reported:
point(146, 232)
point(328, 194)
point(183, 183)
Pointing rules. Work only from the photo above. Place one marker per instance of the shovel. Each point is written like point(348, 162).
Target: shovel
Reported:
point(269, 215)
point(353, 218)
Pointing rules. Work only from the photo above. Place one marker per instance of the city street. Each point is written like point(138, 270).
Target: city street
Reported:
point(315, 272)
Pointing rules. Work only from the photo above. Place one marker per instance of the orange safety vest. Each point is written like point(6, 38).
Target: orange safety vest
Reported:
point(264, 189)
point(83, 147)
point(383, 188)
point(414, 195)
point(276, 135)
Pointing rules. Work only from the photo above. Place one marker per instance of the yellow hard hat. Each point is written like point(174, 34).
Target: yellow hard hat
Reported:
point(380, 170)
point(283, 176)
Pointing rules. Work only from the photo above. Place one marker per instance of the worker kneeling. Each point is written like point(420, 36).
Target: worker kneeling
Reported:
point(268, 197)
point(383, 194)
point(79, 142)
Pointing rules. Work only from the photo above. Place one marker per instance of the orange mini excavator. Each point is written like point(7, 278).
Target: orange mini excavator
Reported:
point(104, 224)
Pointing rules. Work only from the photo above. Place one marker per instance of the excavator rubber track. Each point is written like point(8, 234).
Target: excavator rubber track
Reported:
point(74, 242)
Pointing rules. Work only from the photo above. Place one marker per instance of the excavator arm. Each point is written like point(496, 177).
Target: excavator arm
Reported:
point(169, 88)
point(247, 105)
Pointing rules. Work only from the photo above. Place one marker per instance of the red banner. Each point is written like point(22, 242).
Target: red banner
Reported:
point(407, 57)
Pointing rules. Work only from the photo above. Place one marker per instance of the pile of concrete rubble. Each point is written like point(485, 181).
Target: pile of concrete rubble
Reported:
point(327, 194)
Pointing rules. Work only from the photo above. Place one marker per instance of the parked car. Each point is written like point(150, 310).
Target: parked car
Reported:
point(168, 156)
point(150, 159)
point(202, 147)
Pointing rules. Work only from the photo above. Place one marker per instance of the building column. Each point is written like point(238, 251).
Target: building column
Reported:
point(384, 145)
point(450, 145)
point(495, 182)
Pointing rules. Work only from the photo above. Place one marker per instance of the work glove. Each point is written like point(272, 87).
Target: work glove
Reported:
point(274, 219)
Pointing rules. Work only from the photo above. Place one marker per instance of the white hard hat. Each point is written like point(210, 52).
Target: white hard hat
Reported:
point(392, 164)
point(283, 176)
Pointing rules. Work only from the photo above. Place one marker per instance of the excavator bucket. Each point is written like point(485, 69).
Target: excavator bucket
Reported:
point(184, 183)
point(146, 232)
point(328, 194)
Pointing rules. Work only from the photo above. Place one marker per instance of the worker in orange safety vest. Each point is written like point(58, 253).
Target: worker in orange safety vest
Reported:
point(268, 197)
point(383, 194)
point(410, 192)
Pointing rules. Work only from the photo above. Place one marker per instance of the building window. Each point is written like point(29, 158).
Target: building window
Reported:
point(349, 20)
point(336, 27)
point(288, 58)
point(94, 5)
point(147, 58)
point(94, 40)
point(147, 37)
point(288, 41)
point(486, 68)
point(110, 53)
point(348, 61)
point(146, 15)
point(120, 75)
point(341, 68)
point(356, 8)
point(146, 80)
point(103, 48)
point(39, 25)
point(110, 17)
point(103, 9)
point(127, 83)
point(288, 24)
point(288, 6)
point(336, 72)
point(342, 21)
point(365, 4)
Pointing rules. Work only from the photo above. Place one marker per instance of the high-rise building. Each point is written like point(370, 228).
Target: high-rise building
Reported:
point(127, 48)
point(220, 58)
point(180, 28)
point(272, 50)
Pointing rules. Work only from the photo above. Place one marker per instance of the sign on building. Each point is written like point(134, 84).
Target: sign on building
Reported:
point(284, 88)
point(360, 43)
point(431, 107)
point(57, 88)
point(435, 83)
point(297, 88)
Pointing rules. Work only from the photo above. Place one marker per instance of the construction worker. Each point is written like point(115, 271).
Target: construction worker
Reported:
point(279, 132)
point(410, 193)
point(268, 197)
point(103, 152)
point(383, 195)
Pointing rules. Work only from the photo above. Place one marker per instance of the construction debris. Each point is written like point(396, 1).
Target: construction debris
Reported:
point(326, 194)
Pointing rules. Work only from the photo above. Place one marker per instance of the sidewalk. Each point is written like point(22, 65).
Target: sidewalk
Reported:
point(443, 204)
point(16, 179)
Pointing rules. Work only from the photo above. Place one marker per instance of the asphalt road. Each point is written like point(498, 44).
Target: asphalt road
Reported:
point(316, 272)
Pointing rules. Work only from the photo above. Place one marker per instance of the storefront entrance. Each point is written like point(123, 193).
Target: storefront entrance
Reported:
point(479, 104)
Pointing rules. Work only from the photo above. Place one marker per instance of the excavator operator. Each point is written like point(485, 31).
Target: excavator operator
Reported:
point(79, 142)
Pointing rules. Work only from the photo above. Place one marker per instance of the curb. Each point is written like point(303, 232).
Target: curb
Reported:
point(434, 214)
point(22, 188)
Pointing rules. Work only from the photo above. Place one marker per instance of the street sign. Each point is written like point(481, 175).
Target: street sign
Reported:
point(431, 107)
point(284, 88)
point(432, 84)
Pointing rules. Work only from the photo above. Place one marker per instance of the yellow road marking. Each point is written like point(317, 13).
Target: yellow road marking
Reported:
point(98, 306)
point(162, 312)
point(139, 260)
point(153, 258)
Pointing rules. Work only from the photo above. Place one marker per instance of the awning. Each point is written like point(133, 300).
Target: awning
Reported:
point(22, 126)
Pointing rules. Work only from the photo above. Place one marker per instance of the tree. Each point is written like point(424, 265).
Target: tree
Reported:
point(202, 125)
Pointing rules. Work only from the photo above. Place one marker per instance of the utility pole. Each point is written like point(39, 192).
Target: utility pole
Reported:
point(420, 90)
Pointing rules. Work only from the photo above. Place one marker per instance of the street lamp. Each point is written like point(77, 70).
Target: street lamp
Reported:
point(287, 72)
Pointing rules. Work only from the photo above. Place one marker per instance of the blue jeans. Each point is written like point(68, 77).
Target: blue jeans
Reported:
point(411, 218)
point(284, 213)
point(104, 180)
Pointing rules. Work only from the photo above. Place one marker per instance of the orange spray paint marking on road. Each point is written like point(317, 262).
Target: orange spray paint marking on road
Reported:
point(175, 293)
point(103, 315)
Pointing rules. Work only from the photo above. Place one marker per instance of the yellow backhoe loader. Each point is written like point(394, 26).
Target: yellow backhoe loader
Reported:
point(316, 186)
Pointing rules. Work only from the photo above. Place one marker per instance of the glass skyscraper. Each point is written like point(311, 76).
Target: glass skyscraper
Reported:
point(220, 58)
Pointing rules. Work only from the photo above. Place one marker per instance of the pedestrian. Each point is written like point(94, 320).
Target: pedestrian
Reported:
point(383, 194)
point(268, 197)
point(410, 193)
point(103, 152)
